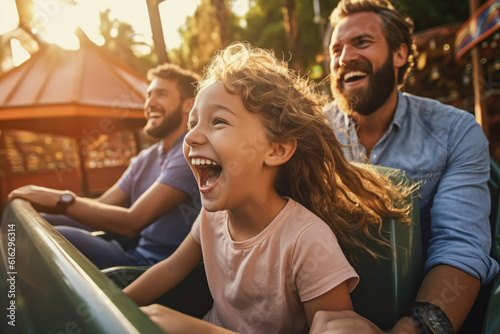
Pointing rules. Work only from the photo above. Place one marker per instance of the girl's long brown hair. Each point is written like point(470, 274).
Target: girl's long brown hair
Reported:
point(350, 198)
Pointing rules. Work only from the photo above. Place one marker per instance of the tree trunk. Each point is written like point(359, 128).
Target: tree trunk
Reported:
point(292, 31)
point(222, 16)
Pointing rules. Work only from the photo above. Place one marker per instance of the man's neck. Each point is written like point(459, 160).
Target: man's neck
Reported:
point(170, 139)
point(372, 127)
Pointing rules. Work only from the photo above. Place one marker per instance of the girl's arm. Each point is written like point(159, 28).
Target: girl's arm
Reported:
point(166, 274)
point(337, 299)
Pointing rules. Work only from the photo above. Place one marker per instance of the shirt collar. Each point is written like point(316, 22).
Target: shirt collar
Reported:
point(401, 111)
point(177, 142)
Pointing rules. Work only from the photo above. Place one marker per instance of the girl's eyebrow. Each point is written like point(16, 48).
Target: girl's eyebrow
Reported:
point(216, 106)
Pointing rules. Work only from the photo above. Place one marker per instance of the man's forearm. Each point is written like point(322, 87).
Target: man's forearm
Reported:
point(99, 216)
point(453, 290)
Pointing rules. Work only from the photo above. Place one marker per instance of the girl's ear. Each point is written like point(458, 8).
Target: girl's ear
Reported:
point(281, 152)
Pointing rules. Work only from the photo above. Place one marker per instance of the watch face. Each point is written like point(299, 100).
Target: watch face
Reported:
point(67, 198)
point(435, 322)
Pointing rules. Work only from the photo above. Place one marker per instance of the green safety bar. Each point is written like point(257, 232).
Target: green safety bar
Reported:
point(48, 286)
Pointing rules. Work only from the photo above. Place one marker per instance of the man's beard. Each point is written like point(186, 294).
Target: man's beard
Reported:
point(367, 101)
point(169, 124)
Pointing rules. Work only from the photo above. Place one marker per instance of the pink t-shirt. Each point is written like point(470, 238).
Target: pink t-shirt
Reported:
point(258, 285)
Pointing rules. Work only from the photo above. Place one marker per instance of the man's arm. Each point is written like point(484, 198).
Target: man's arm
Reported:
point(156, 201)
point(153, 203)
point(115, 196)
point(452, 290)
point(447, 287)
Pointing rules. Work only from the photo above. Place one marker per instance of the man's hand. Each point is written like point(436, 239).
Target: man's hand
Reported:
point(43, 199)
point(343, 322)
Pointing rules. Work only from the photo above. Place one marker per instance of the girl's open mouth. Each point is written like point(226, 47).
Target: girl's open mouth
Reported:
point(208, 172)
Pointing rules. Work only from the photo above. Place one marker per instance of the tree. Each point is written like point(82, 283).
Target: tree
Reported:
point(122, 42)
point(265, 26)
point(429, 13)
point(292, 30)
point(270, 24)
point(201, 37)
point(222, 13)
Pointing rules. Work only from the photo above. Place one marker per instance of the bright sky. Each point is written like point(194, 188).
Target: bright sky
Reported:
point(60, 20)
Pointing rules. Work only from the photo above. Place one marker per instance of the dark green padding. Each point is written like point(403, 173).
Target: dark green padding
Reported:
point(494, 186)
point(57, 289)
point(192, 296)
point(387, 285)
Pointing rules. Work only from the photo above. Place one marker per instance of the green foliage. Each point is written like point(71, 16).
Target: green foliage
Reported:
point(201, 38)
point(430, 13)
point(122, 41)
point(265, 26)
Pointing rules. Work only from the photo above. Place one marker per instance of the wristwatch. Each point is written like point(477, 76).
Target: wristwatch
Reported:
point(431, 319)
point(65, 200)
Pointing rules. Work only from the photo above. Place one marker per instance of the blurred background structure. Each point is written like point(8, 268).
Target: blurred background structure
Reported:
point(72, 72)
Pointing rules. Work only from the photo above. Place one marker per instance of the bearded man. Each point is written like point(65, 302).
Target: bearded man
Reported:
point(156, 198)
point(438, 146)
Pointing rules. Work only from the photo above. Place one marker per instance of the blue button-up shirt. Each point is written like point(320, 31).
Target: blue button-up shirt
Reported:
point(443, 149)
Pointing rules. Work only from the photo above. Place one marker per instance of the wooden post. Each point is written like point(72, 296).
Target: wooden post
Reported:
point(156, 29)
point(480, 107)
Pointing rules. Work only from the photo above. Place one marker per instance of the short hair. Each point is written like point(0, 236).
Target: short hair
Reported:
point(398, 27)
point(186, 80)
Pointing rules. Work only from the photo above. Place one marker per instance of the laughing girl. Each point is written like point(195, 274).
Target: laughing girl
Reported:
point(280, 203)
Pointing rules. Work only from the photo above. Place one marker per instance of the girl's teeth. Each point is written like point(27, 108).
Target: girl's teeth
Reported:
point(198, 162)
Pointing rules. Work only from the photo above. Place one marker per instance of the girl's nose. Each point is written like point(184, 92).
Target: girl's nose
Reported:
point(195, 136)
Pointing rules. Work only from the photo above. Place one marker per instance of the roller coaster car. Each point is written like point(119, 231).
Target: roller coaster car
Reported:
point(58, 290)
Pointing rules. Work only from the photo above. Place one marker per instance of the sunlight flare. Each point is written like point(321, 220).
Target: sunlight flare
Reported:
point(9, 18)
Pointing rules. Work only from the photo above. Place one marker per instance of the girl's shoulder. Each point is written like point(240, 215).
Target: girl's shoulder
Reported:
point(301, 223)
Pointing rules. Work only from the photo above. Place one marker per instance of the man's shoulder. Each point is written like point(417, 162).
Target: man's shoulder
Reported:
point(148, 154)
point(335, 114)
point(434, 116)
point(433, 110)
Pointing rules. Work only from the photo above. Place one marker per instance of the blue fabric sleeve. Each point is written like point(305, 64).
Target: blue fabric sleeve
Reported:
point(178, 174)
point(460, 226)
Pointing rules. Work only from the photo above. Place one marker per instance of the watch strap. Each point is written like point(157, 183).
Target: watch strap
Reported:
point(419, 312)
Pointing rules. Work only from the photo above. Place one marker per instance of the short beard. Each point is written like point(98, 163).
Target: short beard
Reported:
point(365, 102)
point(169, 124)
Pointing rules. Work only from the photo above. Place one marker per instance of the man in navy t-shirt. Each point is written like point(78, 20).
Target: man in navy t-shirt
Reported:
point(157, 196)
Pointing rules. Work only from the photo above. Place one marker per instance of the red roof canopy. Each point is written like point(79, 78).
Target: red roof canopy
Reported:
point(72, 93)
